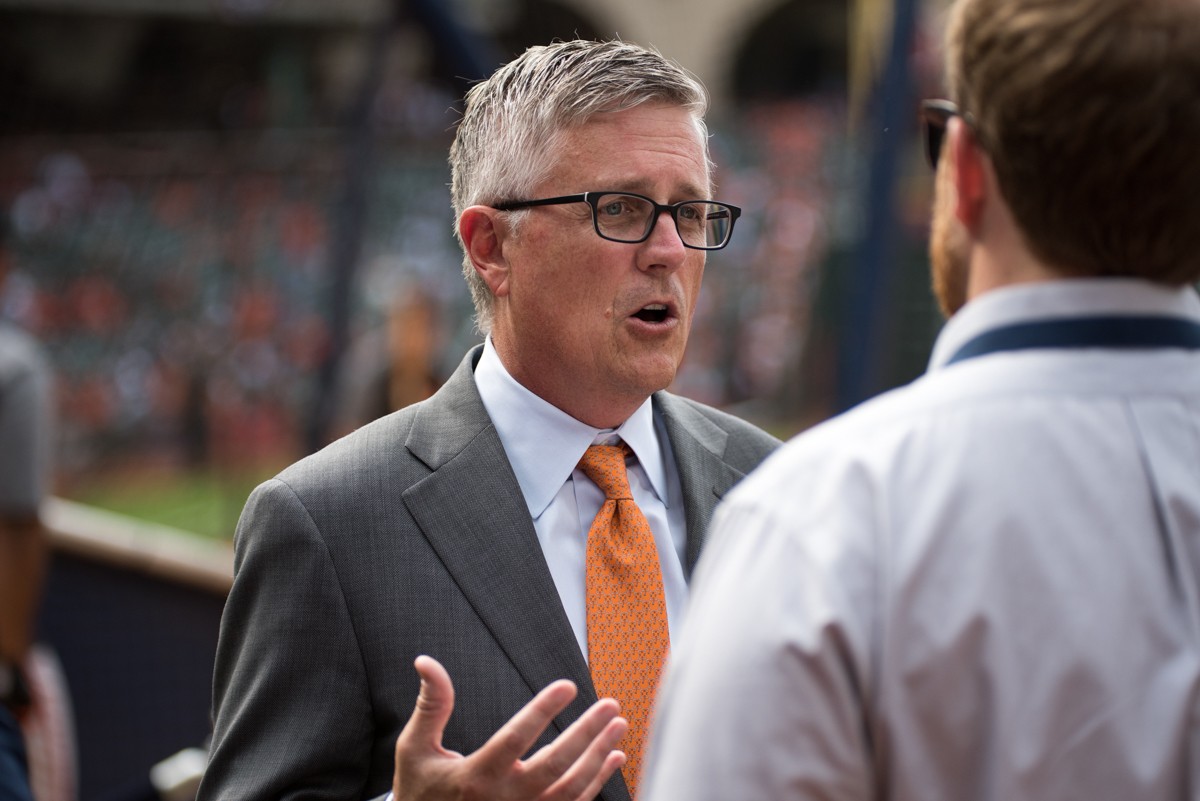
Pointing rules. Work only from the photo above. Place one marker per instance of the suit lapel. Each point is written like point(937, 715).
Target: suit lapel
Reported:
point(705, 478)
point(471, 510)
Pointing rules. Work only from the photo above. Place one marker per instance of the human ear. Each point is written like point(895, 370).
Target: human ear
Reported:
point(969, 176)
point(483, 233)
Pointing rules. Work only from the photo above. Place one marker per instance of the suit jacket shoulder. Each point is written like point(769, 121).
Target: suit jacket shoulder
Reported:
point(746, 445)
point(407, 536)
point(713, 451)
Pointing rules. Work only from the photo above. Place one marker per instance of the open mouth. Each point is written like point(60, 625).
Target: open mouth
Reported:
point(653, 313)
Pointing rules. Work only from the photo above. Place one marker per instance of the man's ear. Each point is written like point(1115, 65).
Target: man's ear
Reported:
point(970, 174)
point(483, 233)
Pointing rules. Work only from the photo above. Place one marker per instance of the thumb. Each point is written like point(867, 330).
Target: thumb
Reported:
point(434, 704)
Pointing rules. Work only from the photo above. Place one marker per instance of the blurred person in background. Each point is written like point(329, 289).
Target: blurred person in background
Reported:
point(26, 405)
point(30, 681)
point(469, 534)
point(392, 367)
point(14, 771)
point(986, 585)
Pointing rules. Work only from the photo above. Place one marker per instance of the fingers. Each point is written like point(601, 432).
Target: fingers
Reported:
point(518, 735)
point(590, 766)
point(580, 760)
point(435, 702)
point(424, 769)
point(572, 768)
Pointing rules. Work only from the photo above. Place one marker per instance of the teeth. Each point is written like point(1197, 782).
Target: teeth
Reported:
point(655, 307)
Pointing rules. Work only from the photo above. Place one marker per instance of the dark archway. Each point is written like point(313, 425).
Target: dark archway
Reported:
point(473, 39)
point(541, 21)
point(798, 48)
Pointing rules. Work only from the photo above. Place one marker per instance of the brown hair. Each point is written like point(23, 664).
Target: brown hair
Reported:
point(1090, 112)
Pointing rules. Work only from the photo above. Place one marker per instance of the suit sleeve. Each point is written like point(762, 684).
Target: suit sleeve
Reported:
point(290, 696)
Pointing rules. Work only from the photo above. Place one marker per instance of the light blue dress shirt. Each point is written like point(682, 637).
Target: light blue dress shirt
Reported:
point(544, 445)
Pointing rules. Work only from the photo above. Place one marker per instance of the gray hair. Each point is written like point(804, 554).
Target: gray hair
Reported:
point(507, 140)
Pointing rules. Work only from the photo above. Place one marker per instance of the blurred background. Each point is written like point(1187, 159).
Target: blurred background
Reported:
point(231, 230)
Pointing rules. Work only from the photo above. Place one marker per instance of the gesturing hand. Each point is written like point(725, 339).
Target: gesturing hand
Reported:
point(572, 768)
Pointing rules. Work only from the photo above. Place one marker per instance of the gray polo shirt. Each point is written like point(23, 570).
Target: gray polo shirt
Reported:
point(26, 412)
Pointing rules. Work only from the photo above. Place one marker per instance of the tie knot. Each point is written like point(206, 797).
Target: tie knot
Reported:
point(605, 466)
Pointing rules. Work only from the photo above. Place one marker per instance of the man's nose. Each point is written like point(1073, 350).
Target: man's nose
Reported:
point(664, 247)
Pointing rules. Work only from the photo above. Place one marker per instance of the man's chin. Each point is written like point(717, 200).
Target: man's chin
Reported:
point(653, 373)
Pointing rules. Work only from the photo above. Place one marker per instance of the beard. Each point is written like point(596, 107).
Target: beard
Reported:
point(949, 249)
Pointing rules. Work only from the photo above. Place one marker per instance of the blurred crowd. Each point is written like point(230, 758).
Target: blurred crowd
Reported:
point(182, 282)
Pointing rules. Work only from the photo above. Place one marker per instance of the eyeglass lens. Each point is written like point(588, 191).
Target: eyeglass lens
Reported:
point(935, 132)
point(629, 218)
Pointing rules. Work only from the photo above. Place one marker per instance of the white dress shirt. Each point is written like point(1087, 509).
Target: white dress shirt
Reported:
point(544, 445)
point(984, 586)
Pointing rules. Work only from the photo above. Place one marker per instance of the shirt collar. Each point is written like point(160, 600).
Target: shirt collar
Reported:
point(1065, 299)
point(542, 463)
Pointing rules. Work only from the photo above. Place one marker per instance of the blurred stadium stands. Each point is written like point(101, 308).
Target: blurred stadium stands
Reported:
point(177, 175)
point(175, 234)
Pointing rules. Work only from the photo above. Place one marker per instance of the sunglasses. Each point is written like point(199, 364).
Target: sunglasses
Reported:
point(936, 115)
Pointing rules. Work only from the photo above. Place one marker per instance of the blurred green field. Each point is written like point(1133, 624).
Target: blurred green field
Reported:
point(201, 502)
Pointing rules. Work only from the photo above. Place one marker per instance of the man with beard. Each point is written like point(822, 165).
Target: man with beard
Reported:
point(986, 585)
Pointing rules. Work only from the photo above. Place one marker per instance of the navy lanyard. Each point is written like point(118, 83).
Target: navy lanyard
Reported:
point(1085, 332)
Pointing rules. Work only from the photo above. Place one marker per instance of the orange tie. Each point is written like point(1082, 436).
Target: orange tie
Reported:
point(627, 631)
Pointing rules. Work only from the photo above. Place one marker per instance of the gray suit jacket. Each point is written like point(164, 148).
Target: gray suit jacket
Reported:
point(408, 536)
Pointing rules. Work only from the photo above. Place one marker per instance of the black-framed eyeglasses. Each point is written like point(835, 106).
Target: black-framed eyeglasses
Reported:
point(628, 217)
point(936, 115)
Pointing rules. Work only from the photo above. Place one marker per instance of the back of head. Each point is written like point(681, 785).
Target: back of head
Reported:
point(1090, 112)
point(506, 141)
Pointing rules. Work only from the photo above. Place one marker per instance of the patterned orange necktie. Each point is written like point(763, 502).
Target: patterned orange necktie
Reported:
point(627, 633)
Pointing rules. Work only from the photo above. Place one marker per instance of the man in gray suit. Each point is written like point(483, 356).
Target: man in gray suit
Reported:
point(451, 535)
